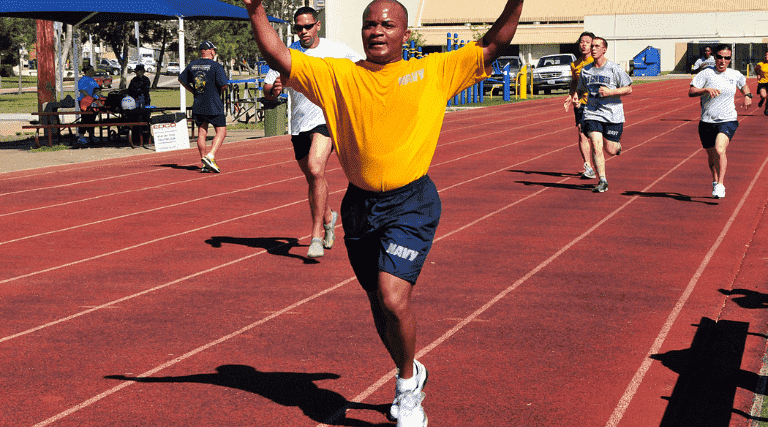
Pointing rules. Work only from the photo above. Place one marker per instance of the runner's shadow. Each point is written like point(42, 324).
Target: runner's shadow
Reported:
point(748, 299)
point(183, 167)
point(555, 174)
point(274, 245)
point(676, 196)
point(709, 375)
point(292, 389)
point(583, 187)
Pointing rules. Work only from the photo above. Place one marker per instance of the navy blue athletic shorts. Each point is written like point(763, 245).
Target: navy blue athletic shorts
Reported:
point(610, 131)
point(217, 120)
point(390, 231)
point(303, 141)
point(708, 132)
point(578, 114)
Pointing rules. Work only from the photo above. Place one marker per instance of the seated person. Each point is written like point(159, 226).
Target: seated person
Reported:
point(87, 86)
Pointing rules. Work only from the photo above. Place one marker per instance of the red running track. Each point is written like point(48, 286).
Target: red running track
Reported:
point(137, 291)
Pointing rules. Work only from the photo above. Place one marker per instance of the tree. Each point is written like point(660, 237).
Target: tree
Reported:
point(14, 32)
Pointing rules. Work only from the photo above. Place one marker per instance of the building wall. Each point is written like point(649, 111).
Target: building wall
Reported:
point(344, 20)
point(627, 35)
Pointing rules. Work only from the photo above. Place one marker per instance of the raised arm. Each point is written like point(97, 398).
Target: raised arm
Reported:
point(271, 47)
point(501, 32)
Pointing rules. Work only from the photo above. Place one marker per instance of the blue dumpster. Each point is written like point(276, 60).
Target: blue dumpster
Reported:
point(647, 62)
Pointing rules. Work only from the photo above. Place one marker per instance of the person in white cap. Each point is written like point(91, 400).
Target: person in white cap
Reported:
point(206, 79)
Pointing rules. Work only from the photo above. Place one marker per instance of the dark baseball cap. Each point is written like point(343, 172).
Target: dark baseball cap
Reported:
point(207, 45)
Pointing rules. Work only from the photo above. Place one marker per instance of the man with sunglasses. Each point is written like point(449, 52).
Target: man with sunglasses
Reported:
point(708, 61)
point(385, 116)
point(717, 89)
point(312, 144)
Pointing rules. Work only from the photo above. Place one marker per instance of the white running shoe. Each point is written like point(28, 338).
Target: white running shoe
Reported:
point(411, 412)
point(719, 191)
point(315, 248)
point(330, 231)
point(421, 374)
point(589, 173)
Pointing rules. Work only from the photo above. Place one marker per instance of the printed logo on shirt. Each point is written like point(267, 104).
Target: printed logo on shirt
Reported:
point(411, 77)
point(402, 252)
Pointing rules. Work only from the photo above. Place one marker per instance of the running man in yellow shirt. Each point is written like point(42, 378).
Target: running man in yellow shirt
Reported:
point(384, 115)
point(762, 82)
point(578, 100)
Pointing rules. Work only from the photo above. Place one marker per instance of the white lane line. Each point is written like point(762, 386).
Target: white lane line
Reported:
point(448, 334)
point(634, 384)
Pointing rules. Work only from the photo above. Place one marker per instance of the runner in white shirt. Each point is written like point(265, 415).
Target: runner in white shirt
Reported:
point(717, 89)
point(707, 62)
point(312, 144)
point(603, 121)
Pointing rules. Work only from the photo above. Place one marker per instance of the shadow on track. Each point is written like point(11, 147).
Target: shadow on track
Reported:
point(709, 375)
point(182, 167)
point(583, 187)
point(676, 196)
point(555, 174)
point(748, 299)
point(284, 388)
point(274, 245)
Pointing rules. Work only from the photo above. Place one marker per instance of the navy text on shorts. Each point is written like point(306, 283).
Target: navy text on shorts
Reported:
point(390, 231)
point(610, 131)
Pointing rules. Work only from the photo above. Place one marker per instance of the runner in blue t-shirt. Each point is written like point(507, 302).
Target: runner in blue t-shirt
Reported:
point(206, 79)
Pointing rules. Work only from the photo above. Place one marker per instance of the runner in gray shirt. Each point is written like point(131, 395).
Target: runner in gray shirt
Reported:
point(606, 83)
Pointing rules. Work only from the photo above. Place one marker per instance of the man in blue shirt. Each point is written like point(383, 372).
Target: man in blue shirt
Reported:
point(206, 79)
point(87, 86)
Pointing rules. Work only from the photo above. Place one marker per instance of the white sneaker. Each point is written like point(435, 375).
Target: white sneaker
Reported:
point(315, 248)
point(330, 231)
point(589, 173)
point(719, 191)
point(421, 374)
point(411, 412)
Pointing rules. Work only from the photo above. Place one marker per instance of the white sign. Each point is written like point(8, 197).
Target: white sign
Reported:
point(171, 136)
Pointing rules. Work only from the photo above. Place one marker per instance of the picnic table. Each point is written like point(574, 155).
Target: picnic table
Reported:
point(105, 119)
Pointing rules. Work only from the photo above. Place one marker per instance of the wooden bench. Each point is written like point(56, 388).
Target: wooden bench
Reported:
point(103, 124)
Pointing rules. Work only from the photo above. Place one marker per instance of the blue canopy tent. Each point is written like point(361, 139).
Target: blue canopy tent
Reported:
point(95, 11)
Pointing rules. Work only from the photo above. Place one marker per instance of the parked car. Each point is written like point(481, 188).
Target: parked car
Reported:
point(147, 67)
point(109, 66)
point(553, 72)
point(103, 79)
point(515, 64)
point(173, 68)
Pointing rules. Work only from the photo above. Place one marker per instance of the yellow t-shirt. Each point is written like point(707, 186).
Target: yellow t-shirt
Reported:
point(576, 67)
point(762, 72)
point(385, 119)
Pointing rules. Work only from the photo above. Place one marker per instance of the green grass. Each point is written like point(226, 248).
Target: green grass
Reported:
point(13, 82)
point(44, 148)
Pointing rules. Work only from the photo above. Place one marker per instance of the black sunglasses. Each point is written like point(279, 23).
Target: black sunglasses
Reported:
point(297, 28)
point(727, 58)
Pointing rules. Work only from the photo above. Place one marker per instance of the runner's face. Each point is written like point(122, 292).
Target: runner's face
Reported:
point(585, 45)
point(707, 53)
point(384, 32)
point(766, 57)
point(720, 62)
point(598, 50)
point(308, 37)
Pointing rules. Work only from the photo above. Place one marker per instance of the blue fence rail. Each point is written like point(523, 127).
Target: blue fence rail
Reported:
point(473, 94)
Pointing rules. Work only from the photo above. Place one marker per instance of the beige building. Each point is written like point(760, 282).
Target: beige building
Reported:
point(552, 26)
